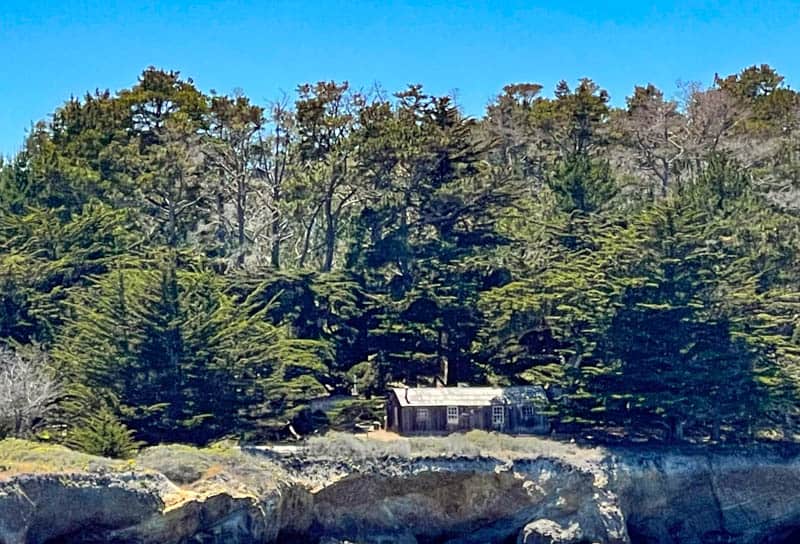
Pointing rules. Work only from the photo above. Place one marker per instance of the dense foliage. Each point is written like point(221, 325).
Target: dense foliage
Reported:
point(198, 266)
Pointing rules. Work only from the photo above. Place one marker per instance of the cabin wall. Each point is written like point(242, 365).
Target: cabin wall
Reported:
point(412, 420)
point(408, 420)
point(392, 414)
point(520, 422)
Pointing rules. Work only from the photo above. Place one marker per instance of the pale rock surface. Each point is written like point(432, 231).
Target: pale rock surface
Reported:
point(615, 497)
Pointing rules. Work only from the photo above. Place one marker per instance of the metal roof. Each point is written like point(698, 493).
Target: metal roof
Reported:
point(468, 396)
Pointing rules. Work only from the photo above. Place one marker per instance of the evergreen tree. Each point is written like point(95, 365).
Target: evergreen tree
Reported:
point(418, 238)
point(384, 239)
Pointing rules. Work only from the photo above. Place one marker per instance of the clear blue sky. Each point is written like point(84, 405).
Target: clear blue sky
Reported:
point(51, 49)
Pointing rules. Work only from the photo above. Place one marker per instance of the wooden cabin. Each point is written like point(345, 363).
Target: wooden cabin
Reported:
point(441, 410)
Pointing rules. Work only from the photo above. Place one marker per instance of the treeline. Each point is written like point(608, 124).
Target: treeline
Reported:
point(196, 266)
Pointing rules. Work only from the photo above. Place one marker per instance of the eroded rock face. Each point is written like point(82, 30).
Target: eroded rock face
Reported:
point(39, 508)
point(547, 531)
point(141, 508)
point(618, 497)
point(458, 500)
point(706, 499)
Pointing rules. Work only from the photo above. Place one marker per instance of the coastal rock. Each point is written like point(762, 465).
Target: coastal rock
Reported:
point(546, 531)
point(217, 496)
point(735, 497)
point(463, 500)
point(39, 508)
point(140, 508)
point(647, 496)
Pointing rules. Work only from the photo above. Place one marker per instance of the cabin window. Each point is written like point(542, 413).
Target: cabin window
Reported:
point(452, 415)
point(498, 416)
point(527, 411)
point(422, 415)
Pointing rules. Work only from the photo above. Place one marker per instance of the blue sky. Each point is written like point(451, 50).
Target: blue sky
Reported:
point(51, 49)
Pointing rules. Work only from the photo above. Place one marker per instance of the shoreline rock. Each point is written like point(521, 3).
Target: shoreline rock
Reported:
point(611, 496)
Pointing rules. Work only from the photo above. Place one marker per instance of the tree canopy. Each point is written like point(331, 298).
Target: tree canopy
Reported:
point(200, 265)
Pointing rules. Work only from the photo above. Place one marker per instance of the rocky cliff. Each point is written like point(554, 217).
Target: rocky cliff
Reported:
point(559, 493)
point(735, 496)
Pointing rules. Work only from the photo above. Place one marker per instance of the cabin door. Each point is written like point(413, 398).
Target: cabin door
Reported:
point(471, 419)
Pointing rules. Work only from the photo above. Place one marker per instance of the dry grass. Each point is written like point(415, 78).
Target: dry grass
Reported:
point(382, 435)
point(472, 444)
point(212, 471)
point(185, 466)
point(197, 473)
point(195, 468)
point(26, 457)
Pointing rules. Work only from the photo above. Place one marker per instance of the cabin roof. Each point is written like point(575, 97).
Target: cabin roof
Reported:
point(468, 396)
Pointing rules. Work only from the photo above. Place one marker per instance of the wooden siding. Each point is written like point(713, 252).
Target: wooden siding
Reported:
point(433, 419)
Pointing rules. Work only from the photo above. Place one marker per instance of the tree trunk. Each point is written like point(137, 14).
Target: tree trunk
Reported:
point(241, 210)
point(275, 234)
point(275, 228)
point(220, 234)
point(330, 236)
point(444, 364)
point(172, 227)
point(306, 245)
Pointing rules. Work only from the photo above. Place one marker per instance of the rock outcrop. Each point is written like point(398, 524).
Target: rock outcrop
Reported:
point(210, 496)
point(139, 508)
point(737, 497)
point(465, 500)
point(589, 495)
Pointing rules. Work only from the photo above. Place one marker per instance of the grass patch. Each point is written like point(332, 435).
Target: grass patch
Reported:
point(471, 444)
point(24, 456)
point(188, 466)
point(352, 446)
point(185, 466)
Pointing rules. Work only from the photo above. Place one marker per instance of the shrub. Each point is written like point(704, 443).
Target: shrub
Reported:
point(103, 434)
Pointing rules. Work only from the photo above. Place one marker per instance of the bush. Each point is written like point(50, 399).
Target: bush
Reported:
point(346, 413)
point(473, 444)
point(104, 435)
point(181, 464)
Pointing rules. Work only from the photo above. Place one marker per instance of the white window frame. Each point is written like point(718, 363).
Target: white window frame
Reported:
point(498, 415)
point(423, 415)
point(452, 415)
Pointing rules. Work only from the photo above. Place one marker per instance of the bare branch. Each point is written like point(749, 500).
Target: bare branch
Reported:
point(28, 392)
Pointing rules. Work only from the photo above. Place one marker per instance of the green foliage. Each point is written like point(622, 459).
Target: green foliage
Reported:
point(760, 89)
point(43, 258)
point(583, 185)
point(420, 241)
point(104, 435)
point(202, 267)
point(671, 342)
